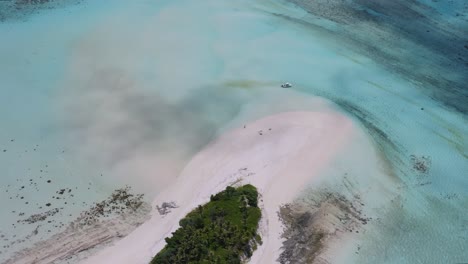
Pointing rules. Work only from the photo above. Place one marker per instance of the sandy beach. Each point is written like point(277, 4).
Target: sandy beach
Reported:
point(279, 154)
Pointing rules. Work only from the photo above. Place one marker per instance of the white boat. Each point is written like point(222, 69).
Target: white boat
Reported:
point(286, 85)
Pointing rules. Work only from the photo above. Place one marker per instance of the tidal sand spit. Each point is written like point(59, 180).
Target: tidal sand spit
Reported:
point(279, 154)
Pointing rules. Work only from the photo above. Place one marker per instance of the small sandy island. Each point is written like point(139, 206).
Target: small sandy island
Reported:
point(279, 154)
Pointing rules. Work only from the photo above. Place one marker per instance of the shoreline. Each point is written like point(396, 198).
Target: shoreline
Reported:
point(303, 163)
point(279, 154)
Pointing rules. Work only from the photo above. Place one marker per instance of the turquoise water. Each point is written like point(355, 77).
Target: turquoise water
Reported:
point(97, 95)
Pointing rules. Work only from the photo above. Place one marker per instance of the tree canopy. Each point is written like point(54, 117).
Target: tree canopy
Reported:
point(222, 231)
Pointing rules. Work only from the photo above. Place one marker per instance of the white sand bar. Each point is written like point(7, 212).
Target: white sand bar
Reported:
point(279, 154)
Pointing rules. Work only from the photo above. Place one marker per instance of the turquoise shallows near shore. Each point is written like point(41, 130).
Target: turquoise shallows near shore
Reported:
point(96, 95)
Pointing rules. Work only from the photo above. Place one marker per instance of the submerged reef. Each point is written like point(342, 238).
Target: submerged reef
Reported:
point(22, 9)
point(421, 41)
point(372, 123)
point(421, 164)
point(103, 223)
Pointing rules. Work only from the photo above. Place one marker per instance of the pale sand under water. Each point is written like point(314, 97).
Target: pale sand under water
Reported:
point(280, 154)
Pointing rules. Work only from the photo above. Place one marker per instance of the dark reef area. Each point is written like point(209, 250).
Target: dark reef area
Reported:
point(310, 226)
point(14, 10)
point(103, 223)
point(408, 37)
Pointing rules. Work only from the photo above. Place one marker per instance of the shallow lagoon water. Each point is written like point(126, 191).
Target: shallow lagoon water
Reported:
point(131, 91)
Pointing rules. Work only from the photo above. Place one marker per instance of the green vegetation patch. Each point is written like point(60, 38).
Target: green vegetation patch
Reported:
point(221, 231)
